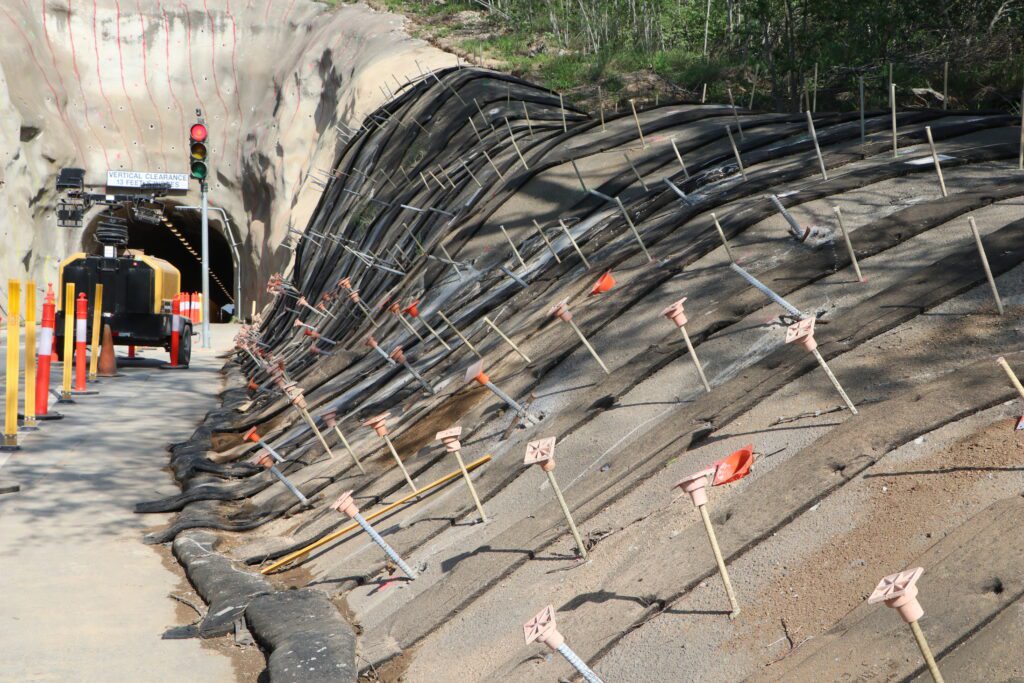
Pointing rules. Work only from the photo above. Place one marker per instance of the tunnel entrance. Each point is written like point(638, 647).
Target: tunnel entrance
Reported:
point(170, 239)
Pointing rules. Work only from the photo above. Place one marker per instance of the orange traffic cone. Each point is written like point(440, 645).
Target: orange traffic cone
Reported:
point(603, 284)
point(108, 358)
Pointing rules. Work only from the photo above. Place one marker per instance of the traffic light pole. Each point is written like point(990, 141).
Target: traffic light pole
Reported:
point(204, 214)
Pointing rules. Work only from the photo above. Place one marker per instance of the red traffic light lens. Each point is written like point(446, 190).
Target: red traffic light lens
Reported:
point(198, 132)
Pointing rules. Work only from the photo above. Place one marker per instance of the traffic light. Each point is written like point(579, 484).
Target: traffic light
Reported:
point(197, 151)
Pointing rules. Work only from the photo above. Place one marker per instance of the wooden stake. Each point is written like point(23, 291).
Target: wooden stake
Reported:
point(509, 341)
point(568, 516)
point(488, 157)
point(636, 233)
point(401, 465)
point(600, 102)
point(984, 263)
point(814, 99)
point(513, 245)
point(579, 175)
point(561, 105)
point(720, 561)
point(686, 174)
point(636, 172)
point(636, 118)
point(470, 172)
point(862, 127)
point(736, 152)
point(459, 334)
point(945, 83)
point(846, 239)
point(817, 148)
point(892, 104)
point(544, 237)
point(574, 245)
point(753, 86)
point(1012, 375)
point(721, 233)
point(735, 113)
point(529, 123)
point(516, 144)
point(935, 158)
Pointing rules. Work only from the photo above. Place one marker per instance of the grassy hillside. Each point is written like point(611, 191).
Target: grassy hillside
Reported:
point(653, 49)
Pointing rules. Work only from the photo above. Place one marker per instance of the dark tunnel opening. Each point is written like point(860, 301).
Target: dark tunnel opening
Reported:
point(162, 240)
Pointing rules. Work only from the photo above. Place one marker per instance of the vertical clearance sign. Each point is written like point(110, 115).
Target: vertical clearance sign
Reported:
point(138, 179)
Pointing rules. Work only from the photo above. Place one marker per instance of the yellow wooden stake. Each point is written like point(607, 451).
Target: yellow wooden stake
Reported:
point(30, 356)
point(291, 557)
point(68, 359)
point(10, 442)
point(97, 323)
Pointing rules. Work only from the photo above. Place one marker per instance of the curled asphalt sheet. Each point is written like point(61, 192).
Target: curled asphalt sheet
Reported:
point(415, 177)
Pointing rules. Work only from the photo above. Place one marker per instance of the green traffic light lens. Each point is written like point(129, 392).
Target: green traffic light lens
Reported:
point(199, 170)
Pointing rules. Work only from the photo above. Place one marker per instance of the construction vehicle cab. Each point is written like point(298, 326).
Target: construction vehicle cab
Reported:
point(138, 292)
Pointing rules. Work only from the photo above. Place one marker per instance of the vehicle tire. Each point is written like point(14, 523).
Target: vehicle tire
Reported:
point(185, 346)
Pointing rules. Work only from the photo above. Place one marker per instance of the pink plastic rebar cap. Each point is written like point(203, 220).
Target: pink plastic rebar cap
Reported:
point(294, 393)
point(371, 342)
point(542, 628)
point(696, 486)
point(378, 423)
point(476, 372)
point(450, 438)
point(541, 452)
point(346, 504)
point(395, 308)
point(345, 283)
point(675, 312)
point(561, 310)
point(802, 332)
point(397, 355)
point(353, 294)
point(899, 590)
point(302, 301)
point(330, 418)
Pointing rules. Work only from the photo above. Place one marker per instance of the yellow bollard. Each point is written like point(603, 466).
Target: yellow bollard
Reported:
point(30, 357)
point(10, 442)
point(97, 324)
point(68, 359)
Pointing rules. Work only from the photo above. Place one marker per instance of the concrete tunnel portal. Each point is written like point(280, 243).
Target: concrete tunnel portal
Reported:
point(167, 239)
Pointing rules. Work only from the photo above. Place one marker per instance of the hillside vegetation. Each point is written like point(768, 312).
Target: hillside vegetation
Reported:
point(770, 49)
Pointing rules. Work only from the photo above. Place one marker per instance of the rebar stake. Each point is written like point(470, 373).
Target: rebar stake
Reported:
point(373, 344)
point(378, 423)
point(542, 452)
point(347, 505)
point(542, 629)
point(475, 372)
point(450, 439)
point(802, 333)
point(398, 356)
point(899, 591)
point(562, 312)
point(331, 420)
point(677, 315)
point(268, 461)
